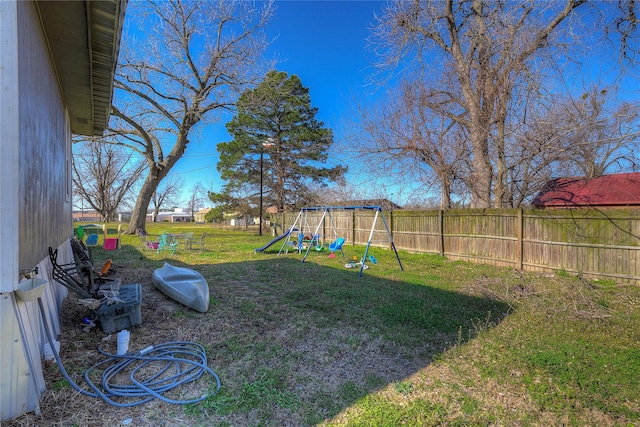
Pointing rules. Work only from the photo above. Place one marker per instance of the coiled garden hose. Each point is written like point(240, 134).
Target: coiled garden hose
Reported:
point(179, 363)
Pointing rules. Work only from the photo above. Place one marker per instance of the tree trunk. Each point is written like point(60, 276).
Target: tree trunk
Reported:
point(157, 172)
point(482, 169)
point(445, 193)
point(501, 162)
point(155, 176)
point(139, 214)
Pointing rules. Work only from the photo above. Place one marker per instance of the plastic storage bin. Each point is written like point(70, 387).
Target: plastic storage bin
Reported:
point(116, 317)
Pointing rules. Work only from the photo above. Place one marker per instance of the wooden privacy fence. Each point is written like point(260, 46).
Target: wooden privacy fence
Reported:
point(598, 243)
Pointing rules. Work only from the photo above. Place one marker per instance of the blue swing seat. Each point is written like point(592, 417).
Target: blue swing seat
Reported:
point(337, 246)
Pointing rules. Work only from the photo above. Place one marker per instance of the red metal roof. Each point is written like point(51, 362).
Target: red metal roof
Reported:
point(608, 190)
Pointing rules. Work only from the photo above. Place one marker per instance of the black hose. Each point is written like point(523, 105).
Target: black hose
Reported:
point(180, 363)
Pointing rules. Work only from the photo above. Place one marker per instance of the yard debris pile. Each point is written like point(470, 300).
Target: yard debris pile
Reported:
point(113, 305)
point(527, 288)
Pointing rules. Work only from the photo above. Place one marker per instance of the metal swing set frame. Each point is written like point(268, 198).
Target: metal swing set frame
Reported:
point(302, 222)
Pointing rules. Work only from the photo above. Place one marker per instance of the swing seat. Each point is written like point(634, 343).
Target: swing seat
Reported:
point(337, 245)
point(373, 259)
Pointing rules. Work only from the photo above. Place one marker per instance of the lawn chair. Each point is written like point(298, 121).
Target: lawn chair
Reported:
point(81, 253)
point(77, 277)
point(187, 238)
point(92, 280)
point(201, 243)
point(167, 242)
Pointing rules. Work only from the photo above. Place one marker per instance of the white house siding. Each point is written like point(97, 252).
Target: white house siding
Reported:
point(8, 144)
point(45, 207)
point(36, 200)
point(23, 339)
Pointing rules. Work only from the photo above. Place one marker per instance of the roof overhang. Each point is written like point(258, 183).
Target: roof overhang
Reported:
point(84, 40)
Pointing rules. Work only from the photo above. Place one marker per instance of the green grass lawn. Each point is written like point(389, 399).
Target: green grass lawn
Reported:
point(440, 343)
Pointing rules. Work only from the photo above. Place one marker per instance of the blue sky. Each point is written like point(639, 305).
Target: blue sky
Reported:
point(324, 43)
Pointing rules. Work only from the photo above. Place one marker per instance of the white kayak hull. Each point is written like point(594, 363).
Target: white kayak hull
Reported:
point(184, 285)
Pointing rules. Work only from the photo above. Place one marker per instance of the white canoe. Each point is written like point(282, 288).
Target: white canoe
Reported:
point(184, 285)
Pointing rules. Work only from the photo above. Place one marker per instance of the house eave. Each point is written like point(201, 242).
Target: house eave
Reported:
point(84, 40)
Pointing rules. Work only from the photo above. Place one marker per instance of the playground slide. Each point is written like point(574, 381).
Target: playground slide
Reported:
point(275, 239)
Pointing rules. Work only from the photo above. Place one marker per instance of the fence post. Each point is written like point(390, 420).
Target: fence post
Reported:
point(284, 216)
point(391, 229)
point(520, 232)
point(353, 227)
point(441, 231)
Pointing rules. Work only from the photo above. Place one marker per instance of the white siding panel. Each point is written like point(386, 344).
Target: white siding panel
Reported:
point(9, 113)
point(17, 389)
point(44, 142)
point(23, 340)
point(36, 204)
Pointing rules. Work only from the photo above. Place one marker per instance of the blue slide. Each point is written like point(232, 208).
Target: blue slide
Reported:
point(275, 240)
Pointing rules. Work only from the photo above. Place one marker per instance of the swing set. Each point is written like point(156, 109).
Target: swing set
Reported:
point(313, 239)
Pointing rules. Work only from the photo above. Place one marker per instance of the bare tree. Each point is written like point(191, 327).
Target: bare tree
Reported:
point(581, 136)
point(601, 134)
point(485, 48)
point(191, 60)
point(196, 199)
point(320, 195)
point(103, 175)
point(407, 128)
point(167, 193)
